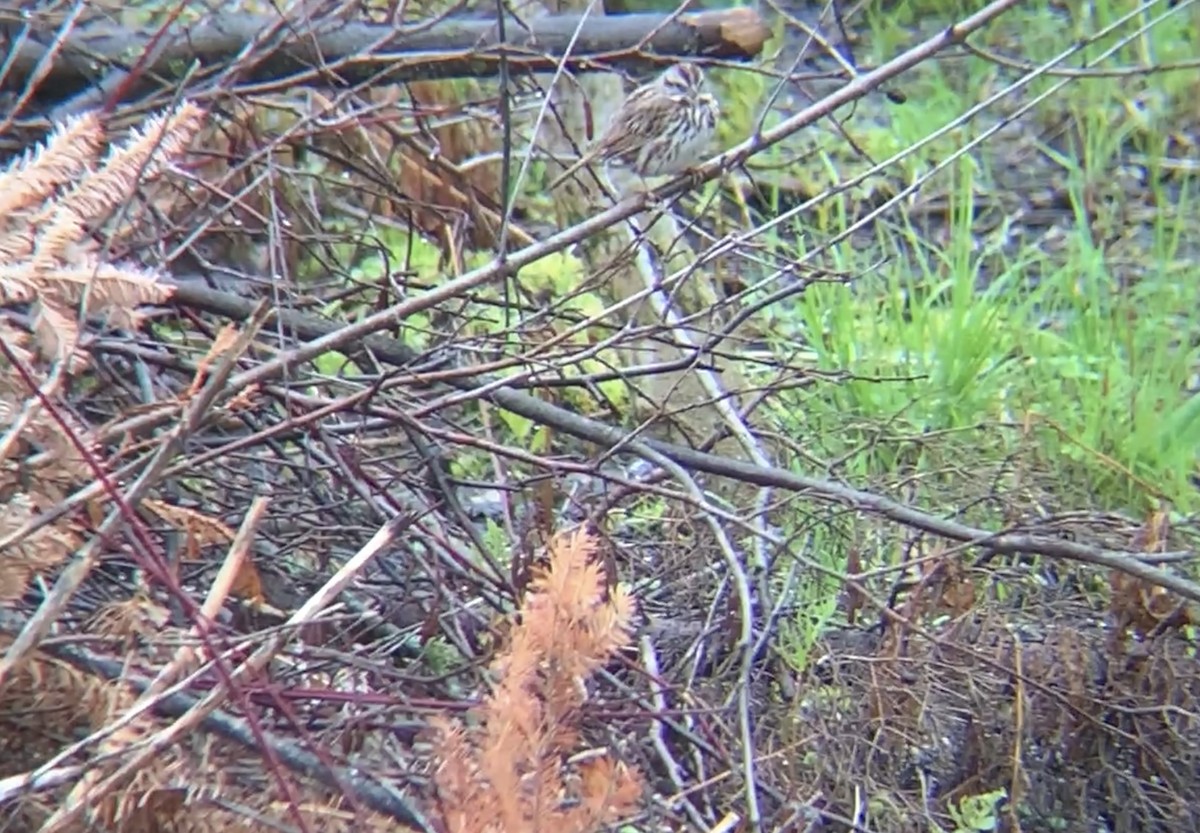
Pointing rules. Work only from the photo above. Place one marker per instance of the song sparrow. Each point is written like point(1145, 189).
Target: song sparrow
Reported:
point(663, 127)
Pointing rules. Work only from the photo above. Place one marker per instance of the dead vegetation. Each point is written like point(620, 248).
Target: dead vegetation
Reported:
point(251, 583)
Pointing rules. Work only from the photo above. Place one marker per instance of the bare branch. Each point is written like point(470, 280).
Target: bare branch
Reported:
point(356, 52)
point(562, 419)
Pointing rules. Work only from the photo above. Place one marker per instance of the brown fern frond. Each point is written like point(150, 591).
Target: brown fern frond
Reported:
point(609, 789)
point(140, 159)
point(43, 702)
point(134, 620)
point(17, 342)
point(115, 288)
point(204, 529)
point(52, 246)
point(47, 200)
point(569, 617)
point(66, 154)
point(16, 283)
point(37, 553)
point(57, 333)
point(28, 431)
point(125, 808)
point(53, 197)
point(508, 772)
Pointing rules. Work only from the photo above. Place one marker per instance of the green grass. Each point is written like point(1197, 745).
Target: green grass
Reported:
point(1001, 368)
point(982, 363)
point(1097, 367)
point(985, 351)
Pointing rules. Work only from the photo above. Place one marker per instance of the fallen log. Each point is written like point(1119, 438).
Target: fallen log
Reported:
point(270, 50)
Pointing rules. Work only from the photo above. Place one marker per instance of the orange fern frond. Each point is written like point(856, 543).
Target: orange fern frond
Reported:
point(508, 772)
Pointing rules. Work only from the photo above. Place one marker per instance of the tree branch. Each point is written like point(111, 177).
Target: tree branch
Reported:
point(338, 53)
point(374, 793)
point(308, 328)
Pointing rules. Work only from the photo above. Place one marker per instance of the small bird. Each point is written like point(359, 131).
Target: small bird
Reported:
point(663, 127)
